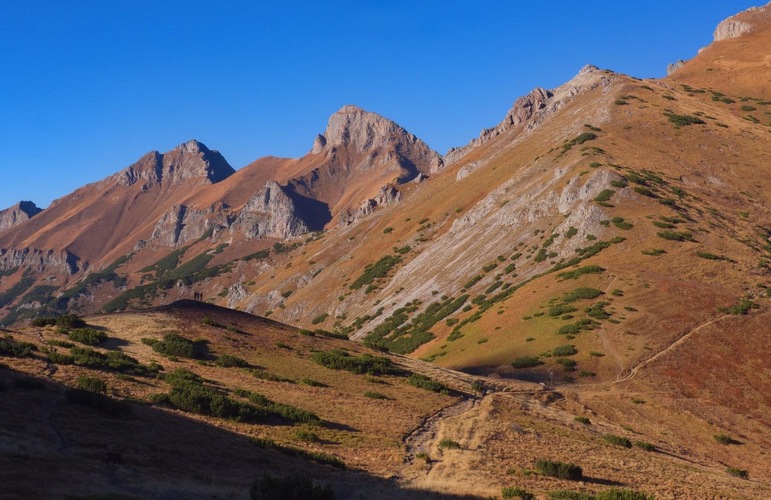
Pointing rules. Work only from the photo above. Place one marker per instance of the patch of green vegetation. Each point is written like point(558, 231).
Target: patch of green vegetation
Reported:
point(375, 395)
point(88, 336)
point(676, 235)
point(320, 318)
point(583, 420)
point(582, 293)
point(620, 223)
point(375, 271)
point(725, 439)
point(605, 195)
point(230, 361)
point(580, 139)
point(366, 363)
point(512, 492)
point(644, 445)
point(617, 440)
point(15, 349)
point(526, 362)
point(683, 120)
point(177, 346)
point(740, 473)
point(712, 256)
point(564, 350)
point(16, 290)
point(654, 252)
point(423, 382)
point(576, 273)
point(449, 444)
point(559, 470)
point(285, 411)
point(398, 335)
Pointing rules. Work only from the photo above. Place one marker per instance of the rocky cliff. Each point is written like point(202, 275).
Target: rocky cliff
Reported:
point(17, 214)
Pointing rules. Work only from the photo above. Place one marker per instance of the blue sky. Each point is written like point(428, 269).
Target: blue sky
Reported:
point(87, 87)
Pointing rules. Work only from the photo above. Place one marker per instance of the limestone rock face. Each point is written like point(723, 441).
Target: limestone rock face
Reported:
point(671, 68)
point(183, 224)
point(15, 215)
point(736, 26)
point(270, 212)
point(191, 160)
point(40, 260)
point(388, 195)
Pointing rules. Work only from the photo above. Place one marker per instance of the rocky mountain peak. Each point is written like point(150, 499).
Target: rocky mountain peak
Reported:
point(189, 160)
point(15, 215)
point(363, 131)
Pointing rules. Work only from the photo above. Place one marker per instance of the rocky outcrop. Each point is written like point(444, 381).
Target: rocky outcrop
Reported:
point(363, 131)
point(671, 68)
point(388, 195)
point(17, 214)
point(40, 260)
point(270, 212)
point(529, 111)
point(741, 23)
point(182, 224)
point(191, 160)
point(731, 28)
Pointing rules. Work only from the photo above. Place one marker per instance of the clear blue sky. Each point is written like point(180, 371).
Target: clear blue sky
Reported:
point(88, 86)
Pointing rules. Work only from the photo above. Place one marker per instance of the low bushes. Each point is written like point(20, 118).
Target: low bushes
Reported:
point(559, 470)
point(423, 382)
point(366, 363)
point(177, 346)
point(617, 440)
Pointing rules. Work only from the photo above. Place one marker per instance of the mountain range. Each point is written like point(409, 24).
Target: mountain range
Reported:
point(610, 237)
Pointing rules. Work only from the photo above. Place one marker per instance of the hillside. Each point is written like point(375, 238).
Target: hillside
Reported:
point(609, 239)
point(138, 414)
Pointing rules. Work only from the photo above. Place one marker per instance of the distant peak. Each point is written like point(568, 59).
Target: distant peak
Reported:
point(351, 125)
point(589, 68)
point(192, 146)
point(29, 208)
point(350, 108)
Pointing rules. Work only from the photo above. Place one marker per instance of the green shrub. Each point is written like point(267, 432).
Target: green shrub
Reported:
point(320, 318)
point(228, 361)
point(655, 252)
point(605, 195)
point(583, 420)
point(88, 336)
point(449, 444)
point(423, 382)
point(289, 488)
point(306, 435)
point(622, 494)
point(41, 321)
point(67, 321)
point(575, 273)
point(526, 362)
point(643, 445)
point(564, 350)
point(91, 384)
point(366, 363)
point(512, 492)
point(675, 235)
point(14, 349)
point(178, 346)
point(559, 470)
point(617, 440)
point(683, 120)
point(375, 271)
point(375, 395)
point(724, 439)
point(741, 473)
point(581, 293)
